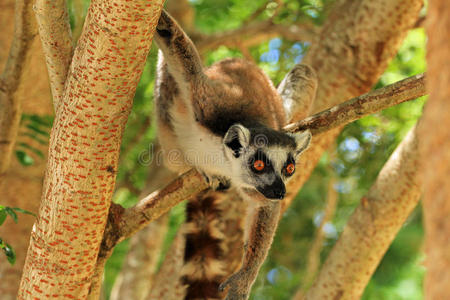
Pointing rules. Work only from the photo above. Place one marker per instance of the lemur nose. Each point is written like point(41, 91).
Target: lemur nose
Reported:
point(280, 193)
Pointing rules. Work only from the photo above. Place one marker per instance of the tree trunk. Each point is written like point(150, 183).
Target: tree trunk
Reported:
point(84, 149)
point(435, 151)
point(34, 93)
point(372, 226)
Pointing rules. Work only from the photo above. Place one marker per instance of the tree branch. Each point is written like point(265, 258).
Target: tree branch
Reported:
point(10, 104)
point(84, 149)
point(434, 134)
point(254, 34)
point(372, 227)
point(410, 88)
point(56, 37)
point(126, 222)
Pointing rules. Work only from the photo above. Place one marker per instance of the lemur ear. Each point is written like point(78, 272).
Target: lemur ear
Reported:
point(237, 138)
point(298, 89)
point(302, 140)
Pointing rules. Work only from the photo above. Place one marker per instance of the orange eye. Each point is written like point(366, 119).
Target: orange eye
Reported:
point(258, 165)
point(290, 168)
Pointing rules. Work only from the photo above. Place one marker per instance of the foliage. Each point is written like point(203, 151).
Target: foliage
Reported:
point(12, 212)
point(37, 129)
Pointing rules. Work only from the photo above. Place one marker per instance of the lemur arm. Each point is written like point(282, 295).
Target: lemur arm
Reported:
point(182, 59)
point(262, 231)
point(180, 53)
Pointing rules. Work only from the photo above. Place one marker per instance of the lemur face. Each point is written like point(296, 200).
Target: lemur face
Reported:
point(262, 158)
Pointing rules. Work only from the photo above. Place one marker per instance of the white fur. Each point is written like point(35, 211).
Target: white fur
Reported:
point(200, 148)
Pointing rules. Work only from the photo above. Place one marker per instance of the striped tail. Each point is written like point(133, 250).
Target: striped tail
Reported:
point(214, 242)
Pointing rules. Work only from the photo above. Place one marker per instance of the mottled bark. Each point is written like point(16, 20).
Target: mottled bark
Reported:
point(84, 148)
point(435, 150)
point(34, 93)
point(372, 226)
point(56, 37)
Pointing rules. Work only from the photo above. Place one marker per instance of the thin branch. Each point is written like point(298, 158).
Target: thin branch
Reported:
point(56, 37)
point(313, 261)
point(356, 108)
point(253, 34)
point(10, 104)
point(156, 204)
point(372, 227)
point(124, 223)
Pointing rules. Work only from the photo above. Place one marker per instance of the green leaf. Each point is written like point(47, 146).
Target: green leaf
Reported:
point(34, 137)
point(41, 120)
point(12, 213)
point(10, 254)
point(21, 210)
point(37, 130)
point(31, 148)
point(24, 158)
point(2, 216)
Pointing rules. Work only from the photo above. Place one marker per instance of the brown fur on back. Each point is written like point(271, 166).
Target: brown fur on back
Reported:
point(238, 89)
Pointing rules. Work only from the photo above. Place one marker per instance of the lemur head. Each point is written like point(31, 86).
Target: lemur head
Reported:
point(262, 158)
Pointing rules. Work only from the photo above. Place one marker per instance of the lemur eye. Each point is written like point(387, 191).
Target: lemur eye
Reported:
point(290, 168)
point(258, 165)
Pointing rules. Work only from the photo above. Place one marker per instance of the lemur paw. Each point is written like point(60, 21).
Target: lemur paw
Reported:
point(217, 183)
point(238, 284)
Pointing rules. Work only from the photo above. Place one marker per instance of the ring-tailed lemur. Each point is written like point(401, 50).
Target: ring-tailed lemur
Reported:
point(226, 122)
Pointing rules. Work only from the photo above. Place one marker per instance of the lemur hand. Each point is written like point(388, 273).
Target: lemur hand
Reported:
point(216, 183)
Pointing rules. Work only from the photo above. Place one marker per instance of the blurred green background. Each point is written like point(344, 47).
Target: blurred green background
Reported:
point(346, 171)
